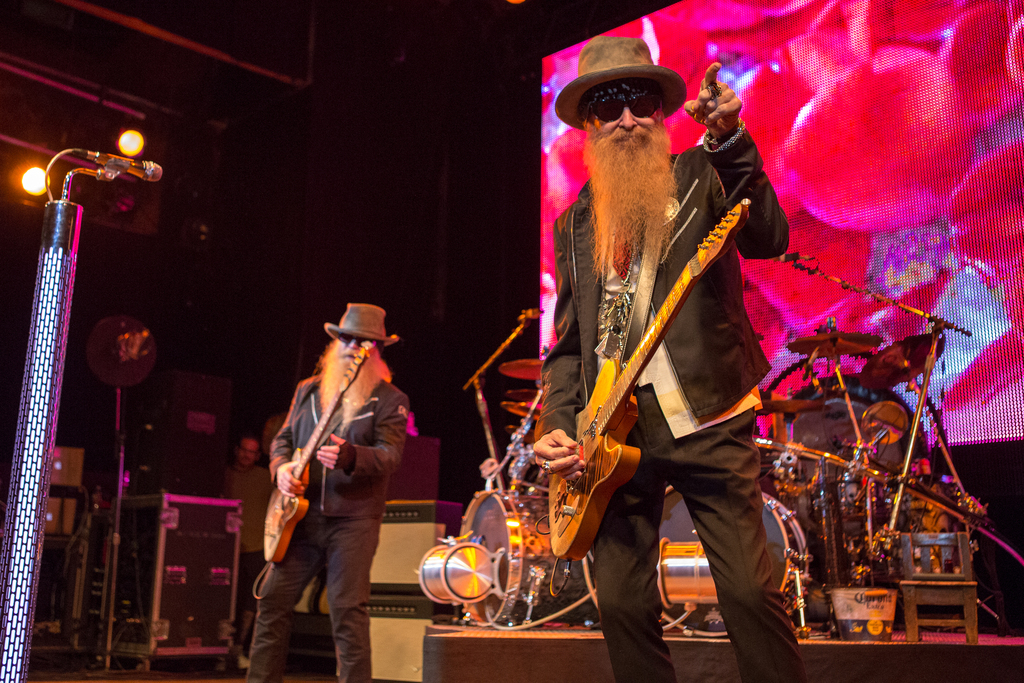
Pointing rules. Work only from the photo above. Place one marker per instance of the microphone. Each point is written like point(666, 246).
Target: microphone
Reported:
point(791, 256)
point(530, 314)
point(113, 166)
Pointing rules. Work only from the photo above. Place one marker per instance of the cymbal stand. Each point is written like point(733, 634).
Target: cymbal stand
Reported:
point(929, 365)
point(476, 381)
point(517, 447)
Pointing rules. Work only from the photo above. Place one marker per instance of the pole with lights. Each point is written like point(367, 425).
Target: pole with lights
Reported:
point(40, 402)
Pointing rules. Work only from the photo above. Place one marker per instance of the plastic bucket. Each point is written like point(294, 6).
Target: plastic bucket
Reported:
point(864, 613)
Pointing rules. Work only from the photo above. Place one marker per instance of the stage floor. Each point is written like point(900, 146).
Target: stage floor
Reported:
point(453, 654)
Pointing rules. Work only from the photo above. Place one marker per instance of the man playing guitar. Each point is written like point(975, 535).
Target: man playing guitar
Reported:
point(695, 400)
point(361, 445)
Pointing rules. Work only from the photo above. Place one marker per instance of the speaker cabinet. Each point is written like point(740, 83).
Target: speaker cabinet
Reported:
point(183, 444)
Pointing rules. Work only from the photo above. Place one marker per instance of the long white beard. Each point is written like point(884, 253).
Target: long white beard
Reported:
point(372, 372)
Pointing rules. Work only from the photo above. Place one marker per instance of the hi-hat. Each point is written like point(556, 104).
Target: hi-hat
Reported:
point(829, 344)
point(526, 368)
point(899, 362)
point(520, 408)
point(521, 395)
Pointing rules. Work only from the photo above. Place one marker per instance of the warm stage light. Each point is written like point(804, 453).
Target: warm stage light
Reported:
point(34, 181)
point(131, 142)
point(515, 2)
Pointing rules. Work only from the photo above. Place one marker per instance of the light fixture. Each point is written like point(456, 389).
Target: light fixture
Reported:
point(131, 142)
point(34, 181)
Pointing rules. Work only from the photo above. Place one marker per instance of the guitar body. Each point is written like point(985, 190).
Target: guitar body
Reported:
point(610, 461)
point(283, 514)
point(575, 508)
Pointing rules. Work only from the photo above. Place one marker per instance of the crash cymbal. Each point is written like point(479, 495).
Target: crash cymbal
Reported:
point(521, 395)
point(528, 439)
point(519, 408)
point(790, 405)
point(835, 344)
point(899, 362)
point(526, 368)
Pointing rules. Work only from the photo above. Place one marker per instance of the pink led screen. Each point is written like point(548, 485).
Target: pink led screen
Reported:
point(893, 132)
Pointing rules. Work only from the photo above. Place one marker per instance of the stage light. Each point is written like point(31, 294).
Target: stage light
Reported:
point(131, 142)
point(515, 2)
point(34, 181)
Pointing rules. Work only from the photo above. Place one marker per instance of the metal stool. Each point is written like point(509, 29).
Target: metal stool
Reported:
point(942, 575)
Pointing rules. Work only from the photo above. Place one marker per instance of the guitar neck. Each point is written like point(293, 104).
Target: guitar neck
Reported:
point(707, 253)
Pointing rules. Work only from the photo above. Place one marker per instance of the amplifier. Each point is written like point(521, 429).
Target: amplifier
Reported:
point(410, 529)
point(397, 626)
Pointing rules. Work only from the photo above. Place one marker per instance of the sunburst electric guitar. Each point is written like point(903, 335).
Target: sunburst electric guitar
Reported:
point(575, 508)
point(285, 512)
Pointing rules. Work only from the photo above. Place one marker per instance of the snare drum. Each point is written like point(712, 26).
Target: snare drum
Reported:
point(683, 572)
point(501, 567)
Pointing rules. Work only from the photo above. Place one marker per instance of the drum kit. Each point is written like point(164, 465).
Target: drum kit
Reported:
point(844, 473)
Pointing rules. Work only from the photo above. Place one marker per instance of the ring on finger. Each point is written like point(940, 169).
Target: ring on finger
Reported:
point(715, 89)
point(546, 466)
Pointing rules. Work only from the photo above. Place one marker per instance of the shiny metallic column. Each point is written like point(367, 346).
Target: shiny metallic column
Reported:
point(37, 427)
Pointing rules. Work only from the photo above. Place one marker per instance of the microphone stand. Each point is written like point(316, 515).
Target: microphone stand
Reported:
point(477, 381)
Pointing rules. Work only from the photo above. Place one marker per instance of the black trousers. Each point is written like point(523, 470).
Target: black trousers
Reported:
point(716, 472)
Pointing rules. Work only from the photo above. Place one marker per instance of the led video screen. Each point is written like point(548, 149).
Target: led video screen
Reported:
point(893, 133)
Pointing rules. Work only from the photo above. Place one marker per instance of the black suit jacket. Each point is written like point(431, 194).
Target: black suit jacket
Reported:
point(378, 435)
point(712, 346)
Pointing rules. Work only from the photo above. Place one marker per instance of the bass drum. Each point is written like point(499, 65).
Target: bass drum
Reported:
point(499, 521)
point(784, 534)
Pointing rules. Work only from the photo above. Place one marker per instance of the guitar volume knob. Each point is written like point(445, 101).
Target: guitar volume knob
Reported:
point(569, 510)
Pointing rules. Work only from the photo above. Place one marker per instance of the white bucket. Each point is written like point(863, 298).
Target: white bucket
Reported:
point(864, 613)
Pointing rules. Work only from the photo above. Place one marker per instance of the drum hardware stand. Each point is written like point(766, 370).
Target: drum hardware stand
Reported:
point(796, 568)
point(476, 381)
point(516, 446)
point(938, 325)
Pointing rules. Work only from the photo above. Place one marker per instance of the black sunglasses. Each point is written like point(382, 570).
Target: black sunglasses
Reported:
point(610, 108)
point(347, 339)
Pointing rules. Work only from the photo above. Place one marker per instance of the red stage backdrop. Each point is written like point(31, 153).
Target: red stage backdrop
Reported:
point(893, 133)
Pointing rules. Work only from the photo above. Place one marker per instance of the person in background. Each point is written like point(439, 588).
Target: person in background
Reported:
point(247, 481)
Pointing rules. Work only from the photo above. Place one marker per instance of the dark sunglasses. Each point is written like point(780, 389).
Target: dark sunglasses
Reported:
point(347, 339)
point(610, 108)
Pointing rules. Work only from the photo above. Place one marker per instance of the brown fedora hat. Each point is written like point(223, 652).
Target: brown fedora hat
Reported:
point(608, 58)
point(365, 321)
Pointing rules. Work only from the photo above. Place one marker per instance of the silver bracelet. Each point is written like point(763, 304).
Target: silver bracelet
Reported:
point(708, 140)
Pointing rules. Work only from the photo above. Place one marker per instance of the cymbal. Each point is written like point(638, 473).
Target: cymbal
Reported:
point(790, 405)
point(899, 362)
point(528, 439)
point(520, 408)
point(835, 344)
point(525, 368)
point(521, 395)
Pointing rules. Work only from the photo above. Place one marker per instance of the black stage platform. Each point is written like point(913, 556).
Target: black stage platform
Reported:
point(453, 654)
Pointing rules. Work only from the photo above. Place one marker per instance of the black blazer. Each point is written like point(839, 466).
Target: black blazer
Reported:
point(377, 433)
point(712, 346)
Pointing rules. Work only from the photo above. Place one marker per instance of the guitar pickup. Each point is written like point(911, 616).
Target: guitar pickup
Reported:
point(568, 510)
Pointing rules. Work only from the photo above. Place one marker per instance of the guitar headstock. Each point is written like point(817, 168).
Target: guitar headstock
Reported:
point(361, 355)
point(719, 238)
